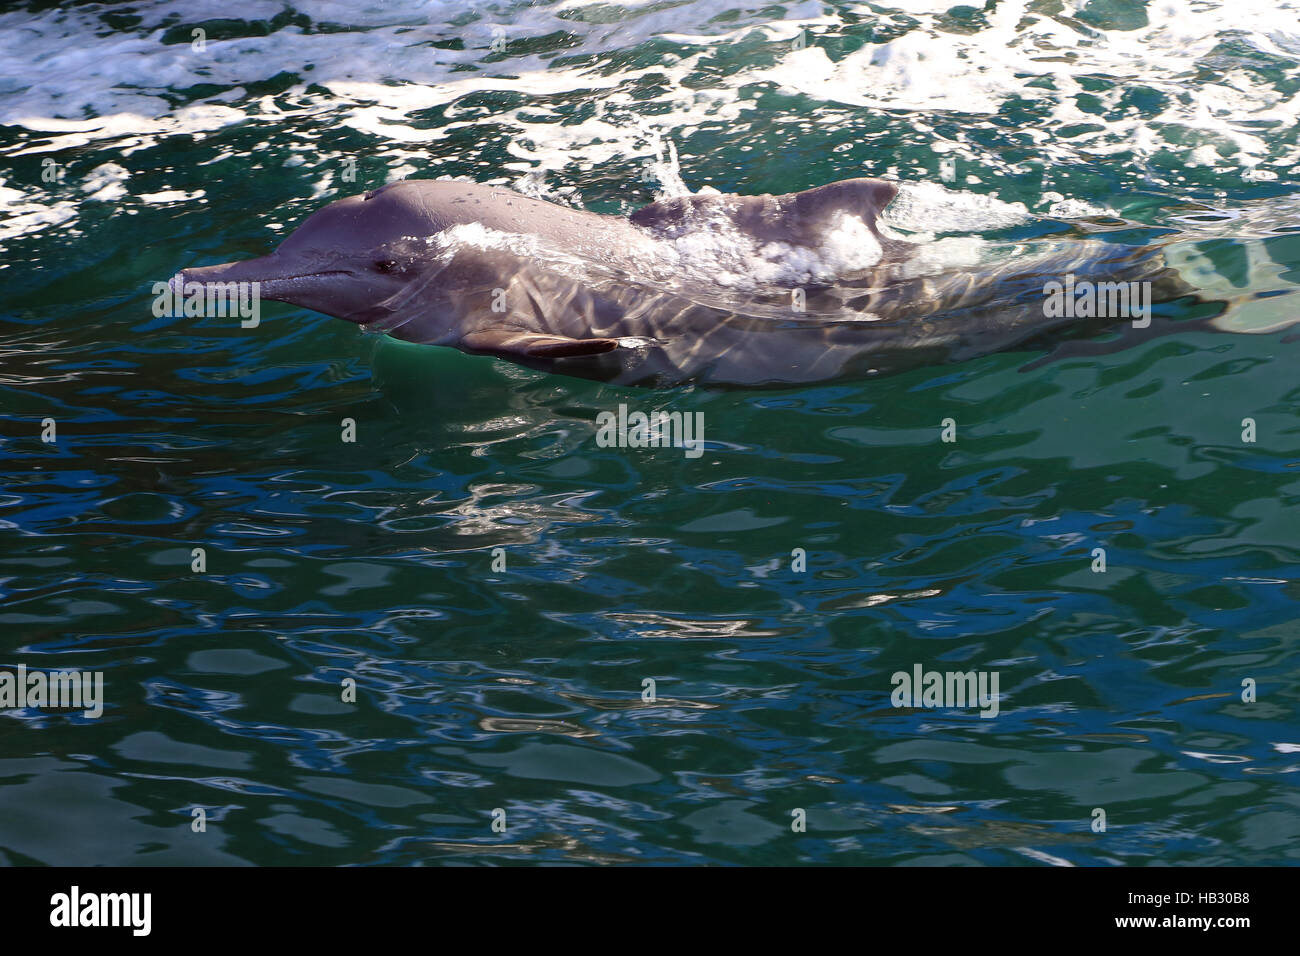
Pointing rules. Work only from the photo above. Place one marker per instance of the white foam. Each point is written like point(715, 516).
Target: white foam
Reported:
point(73, 84)
point(709, 253)
point(167, 196)
point(1061, 208)
point(476, 235)
point(28, 212)
point(106, 183)
point(920, 210)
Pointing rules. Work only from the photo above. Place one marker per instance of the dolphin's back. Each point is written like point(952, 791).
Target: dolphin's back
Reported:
point(444, 204)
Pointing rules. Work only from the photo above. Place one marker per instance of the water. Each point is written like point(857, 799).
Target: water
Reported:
point(520, 689)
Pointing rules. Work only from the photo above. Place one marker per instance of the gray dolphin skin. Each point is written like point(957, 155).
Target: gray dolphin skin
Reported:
point(714, 289)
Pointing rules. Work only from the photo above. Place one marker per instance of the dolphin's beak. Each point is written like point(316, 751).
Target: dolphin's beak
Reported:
point(279, 278)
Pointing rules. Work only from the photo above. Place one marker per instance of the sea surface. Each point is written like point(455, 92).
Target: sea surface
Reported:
point(474, 634)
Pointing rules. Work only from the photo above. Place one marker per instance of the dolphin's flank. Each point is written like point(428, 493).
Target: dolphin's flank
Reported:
point(729, 290)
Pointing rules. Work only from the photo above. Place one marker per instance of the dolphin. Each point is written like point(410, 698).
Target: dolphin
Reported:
point(715, 289)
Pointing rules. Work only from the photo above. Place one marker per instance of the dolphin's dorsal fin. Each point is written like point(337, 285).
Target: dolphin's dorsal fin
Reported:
point(864, 198)
point(515, 343)
point(801, 217)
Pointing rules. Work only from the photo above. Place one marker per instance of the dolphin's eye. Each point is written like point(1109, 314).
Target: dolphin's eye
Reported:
point(385, 265)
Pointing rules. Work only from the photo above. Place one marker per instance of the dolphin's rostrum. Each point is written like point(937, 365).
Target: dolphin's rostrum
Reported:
point(741, 290)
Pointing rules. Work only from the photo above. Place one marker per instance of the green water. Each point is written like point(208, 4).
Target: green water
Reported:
point(523, 689)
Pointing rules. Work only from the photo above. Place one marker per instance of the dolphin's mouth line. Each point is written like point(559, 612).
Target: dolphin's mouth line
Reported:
point(308, 275)
point(303, 275)
point(188, 277)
